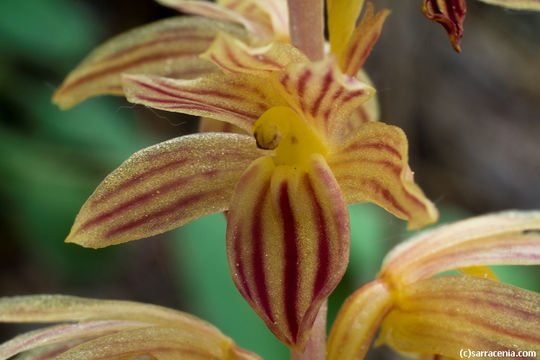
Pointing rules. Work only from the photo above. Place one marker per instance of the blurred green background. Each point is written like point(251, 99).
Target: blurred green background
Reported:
point(473, 122)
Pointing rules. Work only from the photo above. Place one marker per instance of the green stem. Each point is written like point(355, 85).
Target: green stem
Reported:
point(306, 25)
point(316, 346)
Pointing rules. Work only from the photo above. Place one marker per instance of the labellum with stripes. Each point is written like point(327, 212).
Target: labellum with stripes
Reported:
point(451, 14)
point(107, 329)
point(422, 314)
point(306, 152)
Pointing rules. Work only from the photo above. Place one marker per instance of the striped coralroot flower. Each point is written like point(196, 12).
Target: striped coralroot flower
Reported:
point(422, 314)
point(451, 14)
point(309, 147)
point(106, 329)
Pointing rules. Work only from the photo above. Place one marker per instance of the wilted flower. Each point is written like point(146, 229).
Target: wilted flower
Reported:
point(451, 14)
point(419, 313)
point(107, 329)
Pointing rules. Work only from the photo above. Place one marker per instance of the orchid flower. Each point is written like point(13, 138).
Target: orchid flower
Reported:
point(106, 329)
point(285, 185)
point(451, 14)
point(422, 314)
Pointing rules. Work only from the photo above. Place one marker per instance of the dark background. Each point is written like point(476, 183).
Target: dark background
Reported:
point(472, 120)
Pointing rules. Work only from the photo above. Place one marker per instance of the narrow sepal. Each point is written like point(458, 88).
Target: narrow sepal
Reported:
point(505, 238)
point(372, 165)
point(112, 329)
point(287, 243)
point(249, 13)
point(163, 187)
point(450, 14)
point(323, 96)
point(235, 98)
point(358, 321)
point(342, 16)
point(233, 55)
point(169, 48)
point(516, 4)
point(362, 40)
point(445, 314)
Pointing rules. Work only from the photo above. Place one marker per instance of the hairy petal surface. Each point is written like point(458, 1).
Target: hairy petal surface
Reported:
point(516, 4)
point(163, 187)
point(358, 321)
point(362, 40)
point(372, 165)
point(505, 238)
point(445, 314)
point(159, 342)
point(450, 14)
point(239, 99)
point(234, 56)
point(323, 96)
point(248, 13)
point(287, 243)
point(64, 333)
point(168, 47)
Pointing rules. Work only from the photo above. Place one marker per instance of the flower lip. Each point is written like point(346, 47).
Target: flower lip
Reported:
point(281, 129)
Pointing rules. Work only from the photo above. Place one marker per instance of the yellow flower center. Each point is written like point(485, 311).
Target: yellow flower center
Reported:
point(281, 129)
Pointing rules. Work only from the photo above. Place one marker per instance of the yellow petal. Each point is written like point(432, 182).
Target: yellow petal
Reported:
point(445, 314)
point(342, 16)
point(372, 165)
point(160, 343)
point(362, 40)
point(163, 187)
point(323, 96)
point(516, 4)
point(287, 243)
point(169, 47)
point(235, 98)
point(248, 13)
point(60, 335)
point(504, 238)
point(358, 321)
point(450, 14)
point(211, 125)
point(232, 55)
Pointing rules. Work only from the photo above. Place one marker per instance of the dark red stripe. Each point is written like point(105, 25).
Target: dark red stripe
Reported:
point(323, 251)
point(290, 271)
point(257, 238)
point(378, 146)
point(302, 81)
point(238, 264)
point(324, 90)
point(351, 95)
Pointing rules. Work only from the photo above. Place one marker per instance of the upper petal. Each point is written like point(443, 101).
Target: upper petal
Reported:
point(287, 243)
point(163, 187)
point(358, 321)
point(168, 47)
point(446, 314)
point(323, 96)
point(372, 165)
point(342, 16)
point(362, 40)
point(504, 238)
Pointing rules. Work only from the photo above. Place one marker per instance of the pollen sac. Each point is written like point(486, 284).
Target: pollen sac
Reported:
point(267, 136)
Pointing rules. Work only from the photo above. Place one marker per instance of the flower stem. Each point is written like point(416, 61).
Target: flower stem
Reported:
point(306, 24)
point(316, 346)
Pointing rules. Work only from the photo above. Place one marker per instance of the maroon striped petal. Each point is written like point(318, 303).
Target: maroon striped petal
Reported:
point(362, 40)
point(450, 14)
point(163, 187)
point(169, 47)
point(287, 243)
point(248, 13)
point(498, 239)
point(372, 165)
point(323, 96)
point(239, 99)
point(446, 314)
point(232, 55)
